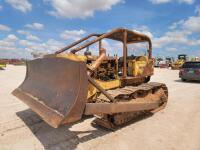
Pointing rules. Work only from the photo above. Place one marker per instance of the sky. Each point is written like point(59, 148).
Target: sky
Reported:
point(45, 26)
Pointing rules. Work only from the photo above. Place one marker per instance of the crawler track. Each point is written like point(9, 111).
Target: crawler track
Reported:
point(143, 93)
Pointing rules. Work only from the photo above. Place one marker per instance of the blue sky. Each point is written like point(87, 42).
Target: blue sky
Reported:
point(46, 25)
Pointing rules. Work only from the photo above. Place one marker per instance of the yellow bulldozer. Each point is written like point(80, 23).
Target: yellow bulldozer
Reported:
point(64, 87)
point(2, 64)
point(179, 62)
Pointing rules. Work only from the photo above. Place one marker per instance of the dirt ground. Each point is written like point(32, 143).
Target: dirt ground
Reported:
point(175, 128)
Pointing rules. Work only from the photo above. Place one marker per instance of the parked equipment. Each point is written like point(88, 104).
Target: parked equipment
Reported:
point(158, 61)
point(180, 61)
point(163, 62)
point(62, 87)
point(169, 61)
point(2, 64)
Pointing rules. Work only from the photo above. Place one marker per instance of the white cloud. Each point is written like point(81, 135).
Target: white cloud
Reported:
point(21, 5)
point(54, 44)
point(13, 47)
point(167, 1)
point(175, 38)
point(11, 38)
point(23, 32)
point(4, 28)
point(25, 43)
point(9, 48)
point(32, 38)
point(176, 24)
point(171, 49)
point(49, 46)
point(72, 34)
point(28, 35)
point(181, 33)
point(8, 43)
point(36, 26)
point(143, 29)
point(79, 8)
point(159, 1)
point(146, 32)
point(192, 24)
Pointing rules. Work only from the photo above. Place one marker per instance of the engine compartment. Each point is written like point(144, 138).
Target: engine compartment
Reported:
point(107, 70)
point(112, 67)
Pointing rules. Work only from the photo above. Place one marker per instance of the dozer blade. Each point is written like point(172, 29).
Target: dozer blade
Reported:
point(55, 88)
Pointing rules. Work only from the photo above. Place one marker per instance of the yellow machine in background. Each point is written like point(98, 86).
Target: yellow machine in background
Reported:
point(180, 61)
point(2, 65)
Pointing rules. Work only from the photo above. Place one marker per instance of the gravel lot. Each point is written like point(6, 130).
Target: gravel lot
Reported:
point(175, 128)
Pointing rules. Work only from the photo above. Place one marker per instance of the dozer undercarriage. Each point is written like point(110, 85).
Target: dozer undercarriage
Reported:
point(61, 88)
point(146, 98)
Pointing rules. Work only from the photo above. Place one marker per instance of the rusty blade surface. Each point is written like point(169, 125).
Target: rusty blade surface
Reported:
point(55, 88)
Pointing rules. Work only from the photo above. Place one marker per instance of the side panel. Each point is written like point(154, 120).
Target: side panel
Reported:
point(141, 67)
point(104, 84)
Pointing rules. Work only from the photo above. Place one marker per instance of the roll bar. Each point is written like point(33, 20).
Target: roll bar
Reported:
point(120, 34)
